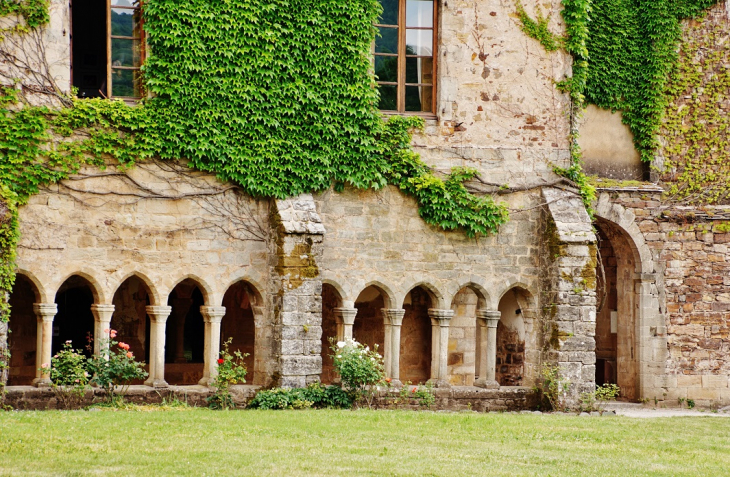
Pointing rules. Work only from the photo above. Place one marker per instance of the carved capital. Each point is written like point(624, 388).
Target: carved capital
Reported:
point(102, 313)
point(488, 318)
point(45, 311)
point(159, 314)
point(442, 316)
point(345, 315)
point(393, 316)
point(213, 314)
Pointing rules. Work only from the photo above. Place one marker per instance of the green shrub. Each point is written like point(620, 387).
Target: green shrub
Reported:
point(315, 395)
point(115, 368)
point(231, 370)
point(360, 368)
point(69, 376)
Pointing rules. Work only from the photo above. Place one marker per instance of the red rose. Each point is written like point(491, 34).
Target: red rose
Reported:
point(221, 360)
point(414, 390)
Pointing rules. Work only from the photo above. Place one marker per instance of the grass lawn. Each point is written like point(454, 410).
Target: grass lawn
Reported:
point(202, 442)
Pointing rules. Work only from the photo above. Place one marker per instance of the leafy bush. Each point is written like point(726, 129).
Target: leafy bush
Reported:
point(596, 400)
point(114, 368)
point(361, 369)
point(553, 388)
point(315, 395)
point(69, 376)
point(231, 370)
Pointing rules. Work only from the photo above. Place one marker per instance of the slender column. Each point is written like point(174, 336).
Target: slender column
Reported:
point(345, 320)
point(487, 324)
point(393, 367)
point(158, 319)
point(212, 316)
point(387, 342)
point(102, 321)
point(440, 321)
point(45, 312)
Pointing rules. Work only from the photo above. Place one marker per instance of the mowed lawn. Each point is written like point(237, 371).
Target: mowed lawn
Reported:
point(202, 442)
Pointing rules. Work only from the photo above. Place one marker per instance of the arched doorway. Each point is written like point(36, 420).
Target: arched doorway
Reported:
point(239, 325)
point(185, 335)
point(23, 337)
point(369, 327)
point(74, 321)
point(463, 347)
point(514, 331)
point(616, 323)
point(416, 335)
point(331, 299)
point(130, 318)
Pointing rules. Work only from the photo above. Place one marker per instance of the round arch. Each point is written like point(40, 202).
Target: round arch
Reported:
point(154, 295)
point(437, 298)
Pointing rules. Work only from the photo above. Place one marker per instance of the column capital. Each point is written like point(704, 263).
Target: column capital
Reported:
point(45, 311)
point(393, 316)
point(347, 315)
point(490, 317)
point(158, 314)
point(442, 316)
point(213, 314)
point(102, 312)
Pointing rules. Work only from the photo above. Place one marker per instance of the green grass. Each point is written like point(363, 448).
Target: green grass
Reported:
point(202, 442)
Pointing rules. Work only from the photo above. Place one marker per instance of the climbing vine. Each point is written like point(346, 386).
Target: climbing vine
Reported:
point(276, 96)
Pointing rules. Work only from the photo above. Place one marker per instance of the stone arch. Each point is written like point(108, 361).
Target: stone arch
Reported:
point(437, 298)
point(23, 339)
point(416, 340)
point(74, 320)
point(94, 285)
point(205, 289)
point(154, 295)
point(475, 284)
point(464, 356)
point(388, 295)
point(185, 331)
point(242, 301)
point(344, 297)
point(625, 220)
point(521, 286)
point(254, 286)
point(38, 288)
point(518, 354)
point(369, 327)
point(331, 300)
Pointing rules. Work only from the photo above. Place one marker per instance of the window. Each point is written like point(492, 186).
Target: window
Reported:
point(107, 48)
point(404, 56)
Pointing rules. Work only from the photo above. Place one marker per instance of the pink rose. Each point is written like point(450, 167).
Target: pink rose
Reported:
point(112, 333)
point(130, 355)
point(124, 346)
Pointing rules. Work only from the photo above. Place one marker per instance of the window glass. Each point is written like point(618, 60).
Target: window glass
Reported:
point(419, 42)
point(419, 70)
point(390, 12)
point(386, 68)
point(387, 41)
point(419, 13)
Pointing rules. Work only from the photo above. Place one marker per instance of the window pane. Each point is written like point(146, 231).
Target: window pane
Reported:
point(126, 83)
point(419, 98)
point(125, 22)
point(419, 42)
point(387, 41)
point(419, 13)
point(390, 12)
point(419, 70)
point(386, 68)
point(125, 52)
point(388, 97)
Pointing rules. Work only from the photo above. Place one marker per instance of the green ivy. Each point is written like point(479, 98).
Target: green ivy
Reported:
point(34, 12)
point(538, 29)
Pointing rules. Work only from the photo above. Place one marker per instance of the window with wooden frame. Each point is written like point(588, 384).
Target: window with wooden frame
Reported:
point(404, 56)
point(107, 48)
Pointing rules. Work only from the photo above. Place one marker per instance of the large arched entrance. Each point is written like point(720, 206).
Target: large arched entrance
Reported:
point(74, 321)
point(616, 313)
point(185, 335)
point(239, 325)
point(463, 347)
point(369, 327)
point(516, 341)
point(22, 340)
point(416, 333)
point(331, 300)
point(130, 318)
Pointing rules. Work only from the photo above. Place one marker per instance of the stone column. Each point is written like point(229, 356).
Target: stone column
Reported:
point(180, 307)
point(45, 312)
point(440, 320)
point(487, 372)
point(387, 342)
point(212, 316)
point(102, 321)
point(396, 321)
point(345, 319)
point(158, 319)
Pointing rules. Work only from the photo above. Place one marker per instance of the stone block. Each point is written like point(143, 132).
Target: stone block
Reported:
point(300, 365)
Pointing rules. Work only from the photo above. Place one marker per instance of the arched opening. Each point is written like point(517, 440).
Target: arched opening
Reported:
point(369, 327)
point(514, 337)
point(22, 339)
point(130, 318)
point(238, 323)
point(415, 340)
point(463, 352)
point(616, 353)
point(74, 321)
point(185, 335)
point(331, 299)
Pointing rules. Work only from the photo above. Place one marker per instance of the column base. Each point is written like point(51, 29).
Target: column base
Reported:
point(42, 382)
point(396, 383)
point(156, 383)
point(439, 383)
point(483, 383)
point(207, 382)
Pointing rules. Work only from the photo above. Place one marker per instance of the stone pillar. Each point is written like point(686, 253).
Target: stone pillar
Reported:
point(181, 307)
point(487, 340)
point(45, 312)
point(212, 316)
point(158, 319)
point(4, 364)
point(345, 319)
point(440, 320)
point(102, 321)
point(387, 343)
point(392, 369)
